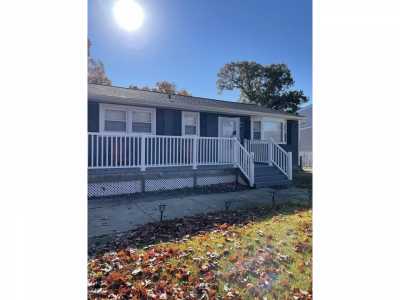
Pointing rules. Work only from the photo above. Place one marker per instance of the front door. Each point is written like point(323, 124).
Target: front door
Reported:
point(228, 127)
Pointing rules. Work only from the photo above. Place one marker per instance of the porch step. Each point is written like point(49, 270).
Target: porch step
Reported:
point(267, 176)
point(266, 171)
point(270, 171)
point(284, 182)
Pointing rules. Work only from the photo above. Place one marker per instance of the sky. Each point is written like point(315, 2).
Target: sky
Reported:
point(188, 41)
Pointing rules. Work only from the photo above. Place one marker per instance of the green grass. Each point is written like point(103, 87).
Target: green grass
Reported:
point(266, 258)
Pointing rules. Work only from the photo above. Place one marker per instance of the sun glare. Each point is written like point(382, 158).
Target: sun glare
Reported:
point(128, 14)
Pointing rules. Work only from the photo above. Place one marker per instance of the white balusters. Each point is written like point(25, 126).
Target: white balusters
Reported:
point(143, 151)
point(282, 159)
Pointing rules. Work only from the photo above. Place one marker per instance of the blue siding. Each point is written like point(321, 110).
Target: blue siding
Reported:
point(245, 128)
point(168, 122)
point(293, 140)
point(93, 116)
point(208, 124)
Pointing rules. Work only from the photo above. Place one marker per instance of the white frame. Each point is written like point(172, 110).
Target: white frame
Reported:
point(252, 128)
point(267, 119)
point(104, 119)
point(197, 114)
point(237, 119)
point(129, 110)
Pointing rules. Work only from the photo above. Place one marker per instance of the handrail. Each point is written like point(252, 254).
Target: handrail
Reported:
point(245, 162)
point(260, 148)
point(272, 153)
point(113, 134)
point(109, 150)
point(277, 145)
point(281, 159)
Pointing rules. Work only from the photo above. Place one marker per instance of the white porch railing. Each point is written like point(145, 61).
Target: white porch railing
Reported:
point(260, 149)
point(271, 153)
point(305, 159)
point(282, 159)
point(142, 151)
point(245, 162)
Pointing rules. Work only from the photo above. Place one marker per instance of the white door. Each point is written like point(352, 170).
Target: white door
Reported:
point(227, 127)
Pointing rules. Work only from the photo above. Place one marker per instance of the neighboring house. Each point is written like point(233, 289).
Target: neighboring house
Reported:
point(305, 145)
point(143, 141)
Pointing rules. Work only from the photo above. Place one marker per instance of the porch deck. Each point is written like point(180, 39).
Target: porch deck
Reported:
point(126, 174)
point(125, 164)
point(107, 182)
point(154, 170)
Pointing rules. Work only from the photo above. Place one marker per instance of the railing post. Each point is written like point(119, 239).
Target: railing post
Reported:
point(235, 152)
point(301, 161)
point(290, 166)
point(270, 146)
point(142, 154)
point(195, 142)
point(252, 169)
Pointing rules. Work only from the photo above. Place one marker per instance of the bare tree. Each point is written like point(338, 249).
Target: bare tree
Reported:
point(96, 71)
point(162, 86)
point(184, 92)
point(166, 87)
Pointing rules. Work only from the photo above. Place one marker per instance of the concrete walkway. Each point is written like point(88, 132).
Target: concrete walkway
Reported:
point(112, 215)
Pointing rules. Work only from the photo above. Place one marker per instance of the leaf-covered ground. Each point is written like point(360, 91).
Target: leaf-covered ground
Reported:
point(249, 254)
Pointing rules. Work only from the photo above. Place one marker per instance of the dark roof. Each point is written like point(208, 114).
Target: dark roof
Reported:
point(132, 96)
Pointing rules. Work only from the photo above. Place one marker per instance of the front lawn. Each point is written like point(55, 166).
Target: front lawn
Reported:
point(251, 254)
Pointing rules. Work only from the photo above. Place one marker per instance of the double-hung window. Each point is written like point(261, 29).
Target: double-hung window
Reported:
point(275, 130)
point(127, 119)
point(267, 128)
point(190, 123)
point(114, 120)
point(141, 122)
point(257, 130)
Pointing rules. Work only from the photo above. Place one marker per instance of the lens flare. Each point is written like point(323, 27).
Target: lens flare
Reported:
point(128, 14)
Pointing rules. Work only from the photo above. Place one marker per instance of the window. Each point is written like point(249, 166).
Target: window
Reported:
point(115, 120)
point(190, 123)
point(141, 122)
point(129, 119)
point(275, 130)
point(257, 130)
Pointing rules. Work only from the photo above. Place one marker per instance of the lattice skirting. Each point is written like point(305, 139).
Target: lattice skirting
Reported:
point(168, 184)
point(209, 180)
point(114, 188)
point(100, 189)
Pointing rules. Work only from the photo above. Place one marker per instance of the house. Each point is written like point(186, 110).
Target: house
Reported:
point(305, 144)
point(141, 141)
